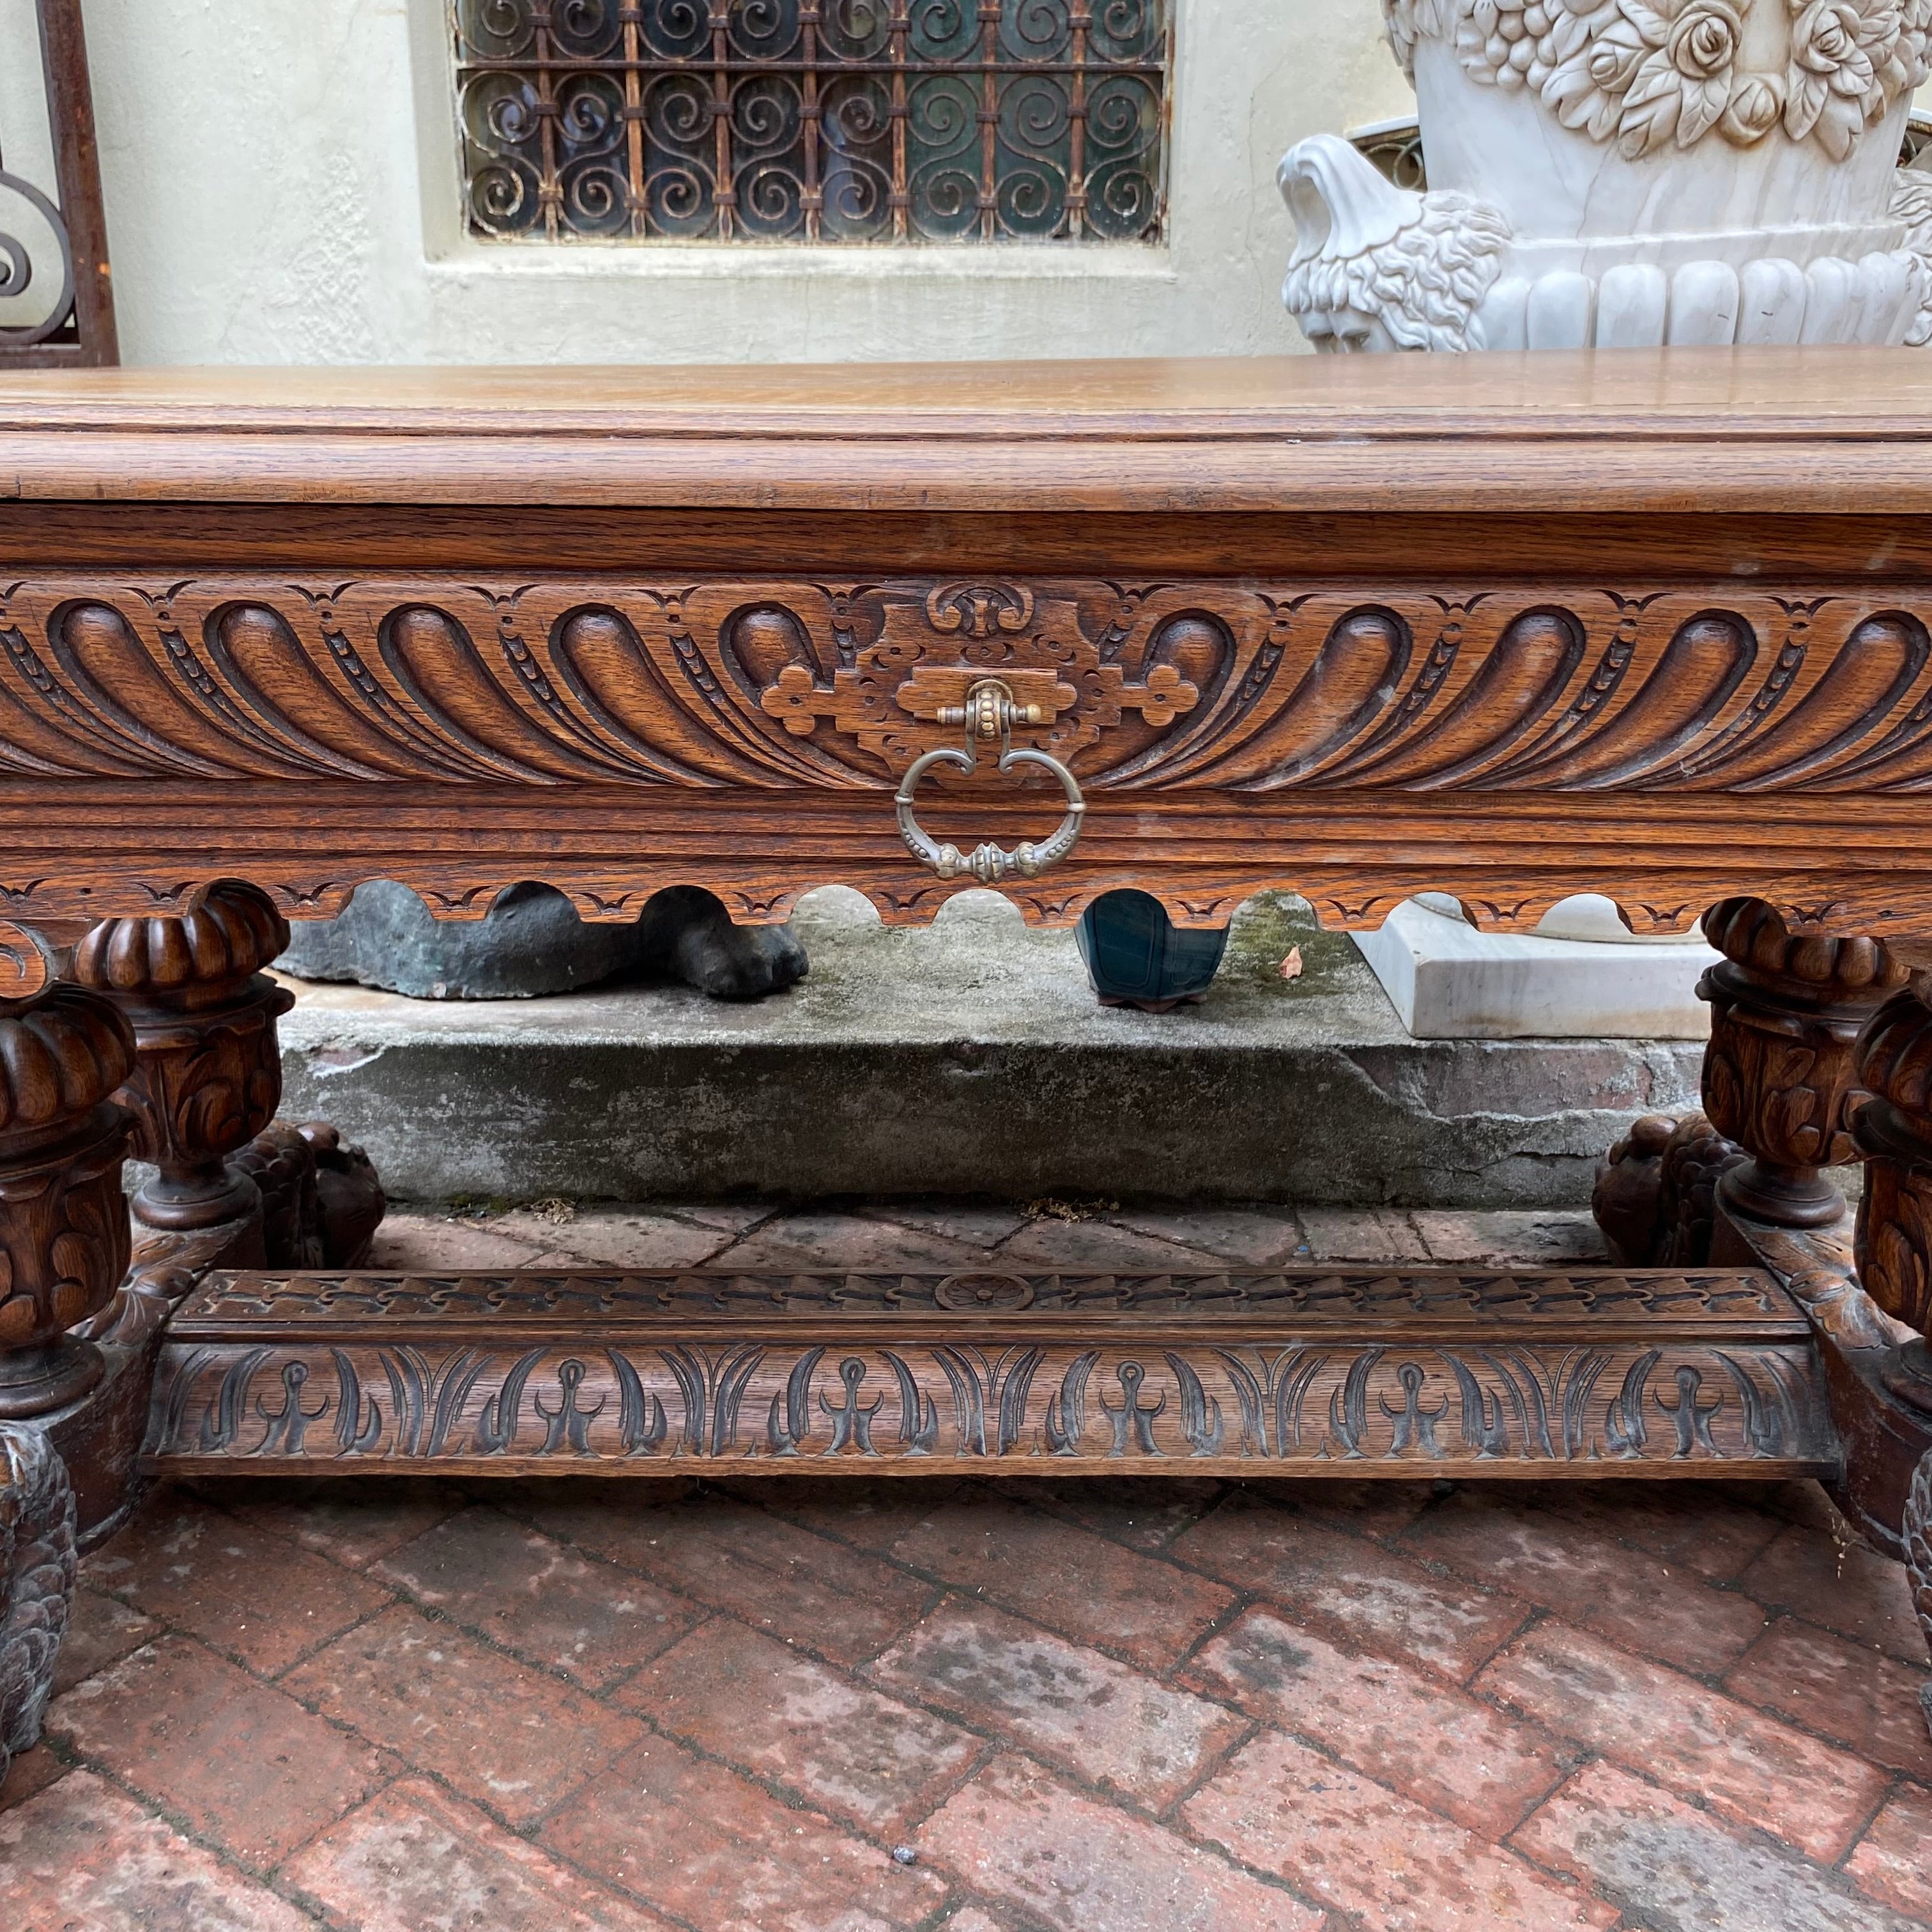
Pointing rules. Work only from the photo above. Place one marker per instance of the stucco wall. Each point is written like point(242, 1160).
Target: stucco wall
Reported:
point(281, 187)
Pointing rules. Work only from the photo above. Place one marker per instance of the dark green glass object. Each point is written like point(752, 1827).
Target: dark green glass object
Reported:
point(1136, 956)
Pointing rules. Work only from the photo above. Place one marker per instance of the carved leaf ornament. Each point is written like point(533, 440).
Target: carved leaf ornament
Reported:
point(1226, 685)
point(716, 683)
point(1647, 77)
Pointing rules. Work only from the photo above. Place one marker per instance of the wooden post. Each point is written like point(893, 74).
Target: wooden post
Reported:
point(1894, 1130)
point(203, 1017)
point(64, 1234)
point(1786, 1010)
point(1894, 1237)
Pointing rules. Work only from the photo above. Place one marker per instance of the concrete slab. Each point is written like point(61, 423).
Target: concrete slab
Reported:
point(970, 1059)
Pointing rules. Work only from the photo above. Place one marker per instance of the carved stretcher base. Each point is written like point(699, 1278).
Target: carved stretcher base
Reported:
point(1419, 1373)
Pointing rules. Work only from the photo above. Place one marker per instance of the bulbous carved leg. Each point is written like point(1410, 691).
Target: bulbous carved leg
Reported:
point(37, 1574)
point(1786, 1012)
point(203, 1014)
point(1894, 1227)
point(234, 1187)
point(63, 1234)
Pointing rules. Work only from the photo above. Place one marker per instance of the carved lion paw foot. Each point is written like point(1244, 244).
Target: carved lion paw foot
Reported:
point(1629, 1180)
point(321, 1200)
point(1655, 1192)
point(349, 1201)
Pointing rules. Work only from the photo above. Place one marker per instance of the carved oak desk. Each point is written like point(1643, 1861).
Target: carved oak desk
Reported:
point(1507, 628)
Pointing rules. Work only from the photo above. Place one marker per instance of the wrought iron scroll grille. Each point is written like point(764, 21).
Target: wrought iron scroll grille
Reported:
point(827, 121)
point(54, 263)
point(1395, 147)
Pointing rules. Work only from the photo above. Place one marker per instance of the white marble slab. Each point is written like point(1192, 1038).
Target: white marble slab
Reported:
point(1447, 981)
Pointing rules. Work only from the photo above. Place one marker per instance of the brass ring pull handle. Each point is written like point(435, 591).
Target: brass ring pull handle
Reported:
point(988, 711)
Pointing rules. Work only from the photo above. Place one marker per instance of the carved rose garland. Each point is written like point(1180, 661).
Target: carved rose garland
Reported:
point(1646, 77)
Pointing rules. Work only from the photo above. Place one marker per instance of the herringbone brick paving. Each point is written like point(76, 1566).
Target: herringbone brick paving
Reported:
point(1124, 1706)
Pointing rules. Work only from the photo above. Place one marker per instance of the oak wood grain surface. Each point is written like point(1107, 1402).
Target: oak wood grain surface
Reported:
point(1689, 429)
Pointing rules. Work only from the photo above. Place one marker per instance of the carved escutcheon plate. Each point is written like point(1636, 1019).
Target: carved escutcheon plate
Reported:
point(906, 657)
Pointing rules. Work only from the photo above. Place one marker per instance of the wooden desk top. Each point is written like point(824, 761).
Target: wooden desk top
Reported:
point(1655, 624)
point(1846, 430)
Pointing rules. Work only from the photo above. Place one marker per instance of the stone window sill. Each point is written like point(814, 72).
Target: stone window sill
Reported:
point(1135, 263)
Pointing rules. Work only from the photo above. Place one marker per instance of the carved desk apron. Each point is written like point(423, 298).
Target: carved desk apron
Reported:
point(1651, 625)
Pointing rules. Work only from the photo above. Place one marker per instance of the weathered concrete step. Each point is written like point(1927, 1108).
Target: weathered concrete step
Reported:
point(970, 1059)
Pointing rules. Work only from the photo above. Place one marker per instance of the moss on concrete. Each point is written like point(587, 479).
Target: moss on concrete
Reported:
point(1268, 928)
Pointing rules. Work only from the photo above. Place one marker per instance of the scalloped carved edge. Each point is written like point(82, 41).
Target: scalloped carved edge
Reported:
point(1358, 902)
point(1048, 903)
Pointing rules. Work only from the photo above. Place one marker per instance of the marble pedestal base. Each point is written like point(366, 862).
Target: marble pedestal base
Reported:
point(1447, 981)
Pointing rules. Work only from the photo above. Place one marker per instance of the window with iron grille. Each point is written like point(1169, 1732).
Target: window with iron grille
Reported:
point(846, 120)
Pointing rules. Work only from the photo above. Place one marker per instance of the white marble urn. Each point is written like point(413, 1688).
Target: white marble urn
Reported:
point(1624, 174)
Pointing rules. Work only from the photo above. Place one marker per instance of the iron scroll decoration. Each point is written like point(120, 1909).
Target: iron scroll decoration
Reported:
point(75, 329)
point(989, 712)
point(17, 269)
point(839, 121)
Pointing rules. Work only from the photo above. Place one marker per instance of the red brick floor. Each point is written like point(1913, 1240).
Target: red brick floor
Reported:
point(1020, 1706)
